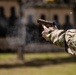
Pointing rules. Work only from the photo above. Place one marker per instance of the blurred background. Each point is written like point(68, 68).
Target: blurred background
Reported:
point(22, 48)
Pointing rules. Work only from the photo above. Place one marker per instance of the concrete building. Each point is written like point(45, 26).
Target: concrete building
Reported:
point(49, 8)
point(8, 4)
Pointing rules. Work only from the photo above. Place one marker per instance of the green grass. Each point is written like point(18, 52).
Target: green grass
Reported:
point(38, 64)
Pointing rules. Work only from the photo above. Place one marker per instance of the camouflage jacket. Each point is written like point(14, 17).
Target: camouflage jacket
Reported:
point(65, 39)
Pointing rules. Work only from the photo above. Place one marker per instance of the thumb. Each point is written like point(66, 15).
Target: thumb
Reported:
point(44, 27)
point(55, 27)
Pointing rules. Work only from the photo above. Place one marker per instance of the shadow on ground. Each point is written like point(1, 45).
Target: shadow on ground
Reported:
point(40, 62)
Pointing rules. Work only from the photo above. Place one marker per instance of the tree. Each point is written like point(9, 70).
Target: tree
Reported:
point(21, 31)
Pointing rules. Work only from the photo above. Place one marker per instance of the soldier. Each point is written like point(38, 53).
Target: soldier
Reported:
point(61, 38)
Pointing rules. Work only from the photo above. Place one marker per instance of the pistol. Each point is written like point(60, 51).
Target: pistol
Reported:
point(45, 22)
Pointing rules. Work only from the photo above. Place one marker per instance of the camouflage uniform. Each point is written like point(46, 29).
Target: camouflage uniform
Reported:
point(63, 38)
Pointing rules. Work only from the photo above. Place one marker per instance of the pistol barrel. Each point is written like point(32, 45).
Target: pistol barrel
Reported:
point(41, 21)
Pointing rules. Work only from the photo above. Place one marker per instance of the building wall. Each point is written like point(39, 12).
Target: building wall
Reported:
point(7, 6)
point(61, 13)
point(36, 12)
point(49, 13)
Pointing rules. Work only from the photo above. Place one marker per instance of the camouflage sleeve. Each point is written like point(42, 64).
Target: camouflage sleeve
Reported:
point(70, 37)
point(57, 37)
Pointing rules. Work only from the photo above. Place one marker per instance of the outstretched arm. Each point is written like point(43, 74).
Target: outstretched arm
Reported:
point(54, 35)
point(61, 38)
